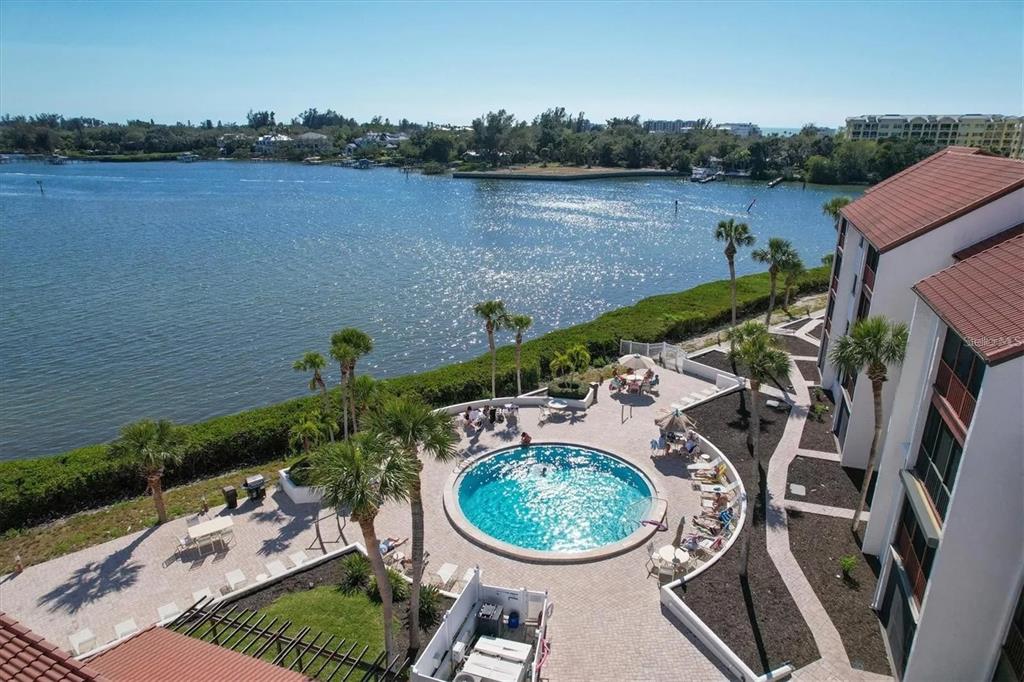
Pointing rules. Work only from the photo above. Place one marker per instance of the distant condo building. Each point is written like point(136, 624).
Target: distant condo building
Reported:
point(268, 144)
point(740, 129)
point(1001, 134)
point(662, 126)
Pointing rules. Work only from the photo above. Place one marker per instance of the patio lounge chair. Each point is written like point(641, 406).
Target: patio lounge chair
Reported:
point(125, 628)
point(168, 611)
point(705, 466)
point(82, 641)
point(545, 414)
point(298, 558)
point(719, 487)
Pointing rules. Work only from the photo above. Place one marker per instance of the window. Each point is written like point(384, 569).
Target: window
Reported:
point(864, 305)
point(938, 460)
point(872, 258)
point(965, 363)
point(917, 556)
point(853, 289)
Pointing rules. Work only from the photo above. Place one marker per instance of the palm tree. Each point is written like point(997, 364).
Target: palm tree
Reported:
point(309, 431)
point(151, 446)
point(343, 354)
point(362, 474)
point(833, 206)
point(575, 358)
point(520, 323)
point(314, 362)
point(359, 344)
point(734, 235)
point(872, 345)
point(790, 276)
point(779, 255)
point(494, 316)
point(756, 349)
point(417, 429)
point(828, 259)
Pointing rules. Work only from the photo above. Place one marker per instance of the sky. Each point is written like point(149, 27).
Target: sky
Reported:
point(776, 64)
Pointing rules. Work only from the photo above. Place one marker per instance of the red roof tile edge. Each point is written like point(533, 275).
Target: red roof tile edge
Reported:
point(55, 655)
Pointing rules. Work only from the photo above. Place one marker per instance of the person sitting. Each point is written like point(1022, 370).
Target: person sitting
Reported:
point(492, 414)
point(387, 545)
point(525, 439)
point(691, 442)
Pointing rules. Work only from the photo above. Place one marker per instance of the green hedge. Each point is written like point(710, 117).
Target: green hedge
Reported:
point(35, 490)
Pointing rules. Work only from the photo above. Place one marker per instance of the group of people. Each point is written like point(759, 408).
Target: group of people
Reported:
point(478, 417)
point(688, 444)
point(632, 385)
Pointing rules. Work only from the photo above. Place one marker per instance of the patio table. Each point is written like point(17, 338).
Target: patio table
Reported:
point(208, 528)
point(670, 553)
point(558, 405)
point(636, 377)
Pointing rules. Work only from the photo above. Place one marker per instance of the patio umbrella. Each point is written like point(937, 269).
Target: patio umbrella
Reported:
point(637, 361)
point(675, 421)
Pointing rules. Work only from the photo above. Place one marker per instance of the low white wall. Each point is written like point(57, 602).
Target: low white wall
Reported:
point(532, 399)
point(299, 494)
point(706, 635)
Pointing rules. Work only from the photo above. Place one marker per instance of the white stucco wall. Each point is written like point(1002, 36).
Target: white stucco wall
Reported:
point(980, 559)
point(898, 270)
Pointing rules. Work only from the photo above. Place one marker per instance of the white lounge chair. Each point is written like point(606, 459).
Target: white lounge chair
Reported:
point(168, 611)
point(713, 488)
point(201, 594)
point(298, 558)
point(235, 579)
point(705, 466)
point(276, 567)
point(82, 641)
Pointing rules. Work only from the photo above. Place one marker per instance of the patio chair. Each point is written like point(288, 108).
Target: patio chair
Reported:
point(545, 414)
point(705, 466)
point(227, 536)
point(185, 544)
point(168, 611)
point(719, 488)
point(653, 560)
point(82, 641)
point(666, 572)
point(125, 628)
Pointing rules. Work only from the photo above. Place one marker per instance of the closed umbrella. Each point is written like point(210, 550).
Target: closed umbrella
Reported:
point(637, 361)
point(675, 422)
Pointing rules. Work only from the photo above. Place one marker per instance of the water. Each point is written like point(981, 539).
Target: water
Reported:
point(554, 498)
point(186, 290)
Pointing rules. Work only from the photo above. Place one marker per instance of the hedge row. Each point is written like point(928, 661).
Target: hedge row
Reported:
point(35, 490)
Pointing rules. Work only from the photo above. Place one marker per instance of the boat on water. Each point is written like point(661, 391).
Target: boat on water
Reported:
point(702, 175)
point(776, 181)
point(312, 161)
point(57, 160)
point(188, 157)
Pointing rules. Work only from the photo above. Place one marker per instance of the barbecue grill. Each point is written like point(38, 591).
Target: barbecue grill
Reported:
point(256, 487)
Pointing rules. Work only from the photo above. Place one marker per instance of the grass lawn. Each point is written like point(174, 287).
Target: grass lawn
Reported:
point(41, 543)
point(329, 610)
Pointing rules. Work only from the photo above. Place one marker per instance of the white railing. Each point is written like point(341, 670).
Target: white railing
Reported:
point(665, 354)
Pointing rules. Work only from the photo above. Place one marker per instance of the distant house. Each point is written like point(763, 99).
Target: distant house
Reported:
point(391, 140)
point(313, 142)
point(270, 144)
point(740, 129)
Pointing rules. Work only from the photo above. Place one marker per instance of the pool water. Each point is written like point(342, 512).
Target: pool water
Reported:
point(558, 498)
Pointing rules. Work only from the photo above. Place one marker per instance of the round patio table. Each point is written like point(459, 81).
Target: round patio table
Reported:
point(635, 377)
point(670, 553)
point(558, 405)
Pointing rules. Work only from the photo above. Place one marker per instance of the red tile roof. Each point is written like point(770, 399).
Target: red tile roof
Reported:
point(982, 298)
point(27, 657)
point(161, 655)
point(931, 193)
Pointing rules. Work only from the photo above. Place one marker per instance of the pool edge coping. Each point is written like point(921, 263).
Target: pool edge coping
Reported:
point(453, 511)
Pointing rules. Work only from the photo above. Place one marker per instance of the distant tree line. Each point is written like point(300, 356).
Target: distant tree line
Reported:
point(494, 139)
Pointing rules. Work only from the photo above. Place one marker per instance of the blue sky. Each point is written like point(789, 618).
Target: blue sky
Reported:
point(777, 64)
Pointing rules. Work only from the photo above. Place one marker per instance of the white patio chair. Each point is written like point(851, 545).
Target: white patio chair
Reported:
point(653, 560)
point(705, 466)
point(545, 414)
point(713, 488)
point(82, 641)
point(201, 594)
point(168, 611)
point(298, 558)
point(666, 572)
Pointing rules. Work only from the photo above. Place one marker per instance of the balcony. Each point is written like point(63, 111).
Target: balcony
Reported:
point(915, 574)
point(949, 387)
point(869, 278)
point(835, 283)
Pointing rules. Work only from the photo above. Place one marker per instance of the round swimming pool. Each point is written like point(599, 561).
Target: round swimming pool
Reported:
point(554, 498)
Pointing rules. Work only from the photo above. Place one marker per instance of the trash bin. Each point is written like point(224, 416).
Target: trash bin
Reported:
point(230, 496)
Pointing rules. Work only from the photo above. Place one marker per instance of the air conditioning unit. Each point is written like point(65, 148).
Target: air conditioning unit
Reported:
point(459, 652)
point(466, 677)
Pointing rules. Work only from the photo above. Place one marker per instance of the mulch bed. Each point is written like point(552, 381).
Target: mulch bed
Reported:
point(716, 596)
point(795, 346)
point(817, 543)
point(720, 360)
point(809, 370)
point(815, 331)
point(330, 573)
point(827, 482)
point(817, 435)
point(796, 324)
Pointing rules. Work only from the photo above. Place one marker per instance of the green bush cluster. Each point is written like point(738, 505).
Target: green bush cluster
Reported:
point(568, 388)
point(36, 490)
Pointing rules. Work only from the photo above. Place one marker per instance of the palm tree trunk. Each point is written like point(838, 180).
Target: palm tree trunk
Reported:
point(876, 393)
point(494, 363)
point(156, 487)
point(327, 407)
point(732, 287)
point(352, 395)
point(771, 300)
point(383, 584)
point(753, 440)
point(344, 409)
point(785, 300)
point(416, 505)
point(519, 379)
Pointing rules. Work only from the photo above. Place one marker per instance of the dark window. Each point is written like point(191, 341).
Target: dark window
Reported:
point(898, 618)
point(842, 232)
point(839, 264)
point(841, 423)
point(1013, 647)
point(965, 363)
point(938, 460)
point(831, 306)
point(853, 289)
point(863, 306)
point(872, 258)
point(913, 549)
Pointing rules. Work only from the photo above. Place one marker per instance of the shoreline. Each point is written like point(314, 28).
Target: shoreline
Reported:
point(566, 173)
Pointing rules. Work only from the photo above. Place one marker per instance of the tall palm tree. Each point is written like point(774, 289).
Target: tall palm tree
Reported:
point(362, 474)
point(314, 362)
point(778, 255)
point(494, 316)
point(790, 276)
point(305, 433)
point(151, 446)
point(360, 344)
point(757, 351)
point(419, 431)
point(833, 206)
point(872, 346)
point(520, 323)
point(734, 235)
point(343, 354)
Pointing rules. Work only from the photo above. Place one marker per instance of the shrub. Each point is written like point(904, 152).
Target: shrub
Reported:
point(399, 587)
point(568, 388)
point(37, 490)
point(847, 564)
point(301, 473)
point(430, 607)
point(356, 573)
point(819, 410)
